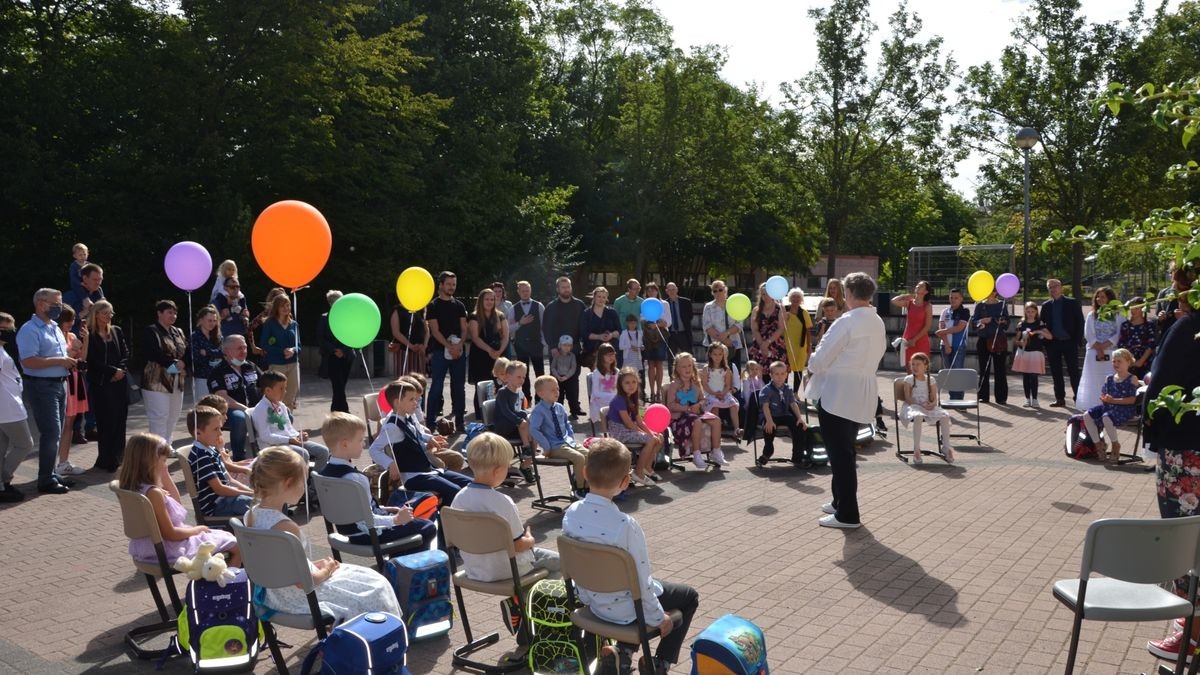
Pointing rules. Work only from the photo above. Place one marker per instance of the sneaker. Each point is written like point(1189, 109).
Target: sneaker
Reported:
point(1027, 403)
point(510, 615)
point(69, 469)
point(638, 481)
point(654, 477)
point(832, 521)
point(10, 495)
point(1168, 648)
point(91, 434)
point(580, 493)
point(1059, 404)
point(527, 474)
point(719, 457)
point(764, 458)
point(1033, 403)
point(827, 507)
point(698, 460)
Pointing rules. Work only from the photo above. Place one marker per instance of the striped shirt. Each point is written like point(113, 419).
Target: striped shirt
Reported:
point(206, 464)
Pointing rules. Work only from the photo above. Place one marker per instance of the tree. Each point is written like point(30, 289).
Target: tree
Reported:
point(849, 121)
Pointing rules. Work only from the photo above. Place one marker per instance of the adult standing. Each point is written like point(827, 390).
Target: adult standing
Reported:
point(165, 349)
point(90, 292)
point(205, 344)
point(335, 358)
point(1139, 336)
point(447, 319)
point(991, 326)
point(767, 330)
point(953, 326)
point(257, 322)
point(918, 322)
point(15, 439)
point(280, 337)
point(233, 308)
point(1168, 306)
point(108, 366)
point(525, 332)
point(1064, 317)
point(842, 372)
point(504, 306)
point(598, 324)
point(679, 309)
point(655, 350)
point(410, 341)
point(717, 325)
point(488, 332)
point(44, 359)
point(1100, 336)
point(799, 327)
point(562, 319)
point(628, 303)
point(235, 379)
point(833, 289)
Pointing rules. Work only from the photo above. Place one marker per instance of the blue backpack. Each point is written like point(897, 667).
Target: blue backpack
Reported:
point(730, 645)
point(371, 643)
point(218, 627)
point(422, 584)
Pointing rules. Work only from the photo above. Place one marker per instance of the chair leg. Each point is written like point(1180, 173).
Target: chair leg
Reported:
point(544, 503)
point(1075, 628)
point(158, 601)
point(273, 646)
point(176, 603)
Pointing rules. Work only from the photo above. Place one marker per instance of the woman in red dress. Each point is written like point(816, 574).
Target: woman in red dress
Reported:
point(918, 321)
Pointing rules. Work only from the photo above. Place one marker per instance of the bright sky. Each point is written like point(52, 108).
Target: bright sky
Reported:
point(770, 41)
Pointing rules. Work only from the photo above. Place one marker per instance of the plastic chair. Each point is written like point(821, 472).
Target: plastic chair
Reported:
point(276, 559)
point(606, 569)
point(138, 518)
point(480, 534)
point(820, 456)
point(542, 503)
point(897, 401)
point(343, 502)
point(371, 414)
point(965, 380)
point(1134, 555)
point(189, 483)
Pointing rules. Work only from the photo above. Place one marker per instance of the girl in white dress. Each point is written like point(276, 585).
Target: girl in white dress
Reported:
point(343, 591)
point(1100, 337)
point(717, 381)
point(920, 405)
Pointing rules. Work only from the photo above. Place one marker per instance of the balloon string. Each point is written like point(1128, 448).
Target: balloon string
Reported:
point(193, 359)
point(295, 318)
point(411, 320)
point(378, 407)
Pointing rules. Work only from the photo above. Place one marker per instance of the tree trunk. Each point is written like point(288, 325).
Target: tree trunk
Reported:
point(1077, 270)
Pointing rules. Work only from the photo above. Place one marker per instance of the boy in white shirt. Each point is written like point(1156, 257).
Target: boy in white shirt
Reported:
point(273, 421)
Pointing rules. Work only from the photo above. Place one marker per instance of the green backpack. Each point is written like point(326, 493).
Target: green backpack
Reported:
point(218, 627)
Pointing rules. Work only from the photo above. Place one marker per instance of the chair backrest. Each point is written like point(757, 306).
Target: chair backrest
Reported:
point(599, 568)
point(371, 408)
point(477, 532)
point(489, 412)
point(603, 421)
point(189, 481)
point(898, 392)
point(957, 379)
point(137, 514)
point(342, 501)
point(272, 558)
point(1141, 551)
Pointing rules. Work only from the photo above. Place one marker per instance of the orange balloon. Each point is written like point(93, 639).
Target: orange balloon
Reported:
point(291, 242)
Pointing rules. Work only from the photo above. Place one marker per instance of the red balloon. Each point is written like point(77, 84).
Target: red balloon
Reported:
point(385, 408)
point(657, 418)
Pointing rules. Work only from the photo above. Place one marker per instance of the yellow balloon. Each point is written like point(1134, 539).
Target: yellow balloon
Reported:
point(738, 307)
point(980, 285)
point(414, 288)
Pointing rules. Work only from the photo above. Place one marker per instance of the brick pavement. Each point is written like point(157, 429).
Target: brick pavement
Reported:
point(951, 573)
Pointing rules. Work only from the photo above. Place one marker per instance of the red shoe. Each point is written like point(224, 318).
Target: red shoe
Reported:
point(1167, 649)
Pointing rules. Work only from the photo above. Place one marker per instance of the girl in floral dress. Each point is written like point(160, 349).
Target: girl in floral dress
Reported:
point(685, 400)
point(1118, 397)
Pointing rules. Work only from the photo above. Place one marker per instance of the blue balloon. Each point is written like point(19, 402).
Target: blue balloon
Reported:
point(777, 287)
point(652, 309)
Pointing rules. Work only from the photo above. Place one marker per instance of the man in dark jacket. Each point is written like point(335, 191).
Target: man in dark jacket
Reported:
point(336, 358)
point(679, 337)
point(560, 318)
point(1064, 318)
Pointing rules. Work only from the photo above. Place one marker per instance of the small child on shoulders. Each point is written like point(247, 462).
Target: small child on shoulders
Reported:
point(79, 258)
point(344, 433)
point(597, 520)
point(273, 421)
point(217, 494)
point(1118, 405)
point(551, 429)
point(403, 449)
point(921, 405)
point(511, 419)
point(227, 270)
point(602, 381)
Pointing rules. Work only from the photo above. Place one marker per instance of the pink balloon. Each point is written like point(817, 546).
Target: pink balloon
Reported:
point(1008, 285)
point(657, 418)
point(188, 265)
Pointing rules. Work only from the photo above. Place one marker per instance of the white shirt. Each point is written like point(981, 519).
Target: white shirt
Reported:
point(631, 348)
point(479, 498)
point(844, 365)
point(12, 408)
point(715, 316)
point(597, 520)
point(390, 432)
point(272, 424)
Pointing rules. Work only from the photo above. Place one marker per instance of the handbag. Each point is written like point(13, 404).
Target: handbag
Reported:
point(133, 390)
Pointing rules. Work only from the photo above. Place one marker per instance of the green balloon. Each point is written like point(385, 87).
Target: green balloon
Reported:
point(738, 307)
point(354, 320)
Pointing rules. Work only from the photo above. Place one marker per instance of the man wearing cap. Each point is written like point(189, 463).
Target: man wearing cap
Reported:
point(560, 326)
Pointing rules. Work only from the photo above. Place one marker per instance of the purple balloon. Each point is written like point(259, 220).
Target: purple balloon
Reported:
point(1007, 285)
point(188, 265)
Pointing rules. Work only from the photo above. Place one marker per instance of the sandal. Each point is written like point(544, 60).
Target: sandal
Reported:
point(916, 457)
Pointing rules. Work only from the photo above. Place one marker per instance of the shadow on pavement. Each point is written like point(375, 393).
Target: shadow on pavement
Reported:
point(891, 577)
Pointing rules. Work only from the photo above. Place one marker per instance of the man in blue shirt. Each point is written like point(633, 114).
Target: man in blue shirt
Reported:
point(43, 351)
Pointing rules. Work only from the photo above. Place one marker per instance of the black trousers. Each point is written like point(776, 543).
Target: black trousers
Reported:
point(339, 375)
point(569, 394)
point(111, 404)
point(839, 434)
point(793, 427)
point(1058, 351)
point(1029, 383)
point(531, 355)
point(685, 599)
point(992, 366)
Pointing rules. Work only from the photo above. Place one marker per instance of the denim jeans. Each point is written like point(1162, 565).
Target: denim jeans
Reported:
point(236, 423)
point(457, 368)
point(48, 405)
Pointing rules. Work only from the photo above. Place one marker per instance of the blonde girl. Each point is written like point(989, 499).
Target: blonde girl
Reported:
point(144, 470)
point(227, 269)
point(343, 590)
point(834, 291)
point(625, 424)
point(602, 382)
point(1118, 399)
point(717, 381)
point(920, 405)
point(689, 421)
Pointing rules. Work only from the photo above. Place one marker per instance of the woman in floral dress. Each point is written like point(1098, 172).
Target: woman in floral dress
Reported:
point(1138, 336)
point(766, 325)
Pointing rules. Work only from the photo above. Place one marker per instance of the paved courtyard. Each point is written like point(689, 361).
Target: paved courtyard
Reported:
point(951, 572)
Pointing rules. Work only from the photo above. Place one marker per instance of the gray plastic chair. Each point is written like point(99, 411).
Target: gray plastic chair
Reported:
point(542, 503)
point(965, 380)
point(137, 515)
point(344, 502)
point(897, 402)
point(275, 559)
point(1134, 556)
point(606, 569)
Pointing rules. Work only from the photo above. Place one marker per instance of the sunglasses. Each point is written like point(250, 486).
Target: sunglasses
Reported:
point(718, 290)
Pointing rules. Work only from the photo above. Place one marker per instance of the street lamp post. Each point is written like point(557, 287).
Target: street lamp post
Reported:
point(1025, 140)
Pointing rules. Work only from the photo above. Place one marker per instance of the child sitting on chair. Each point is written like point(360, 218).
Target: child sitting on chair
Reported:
point(273, 421)
point(921, 405)
point(778, 407)
point(217, 494)
point(551, 428)
point(344, 433)
point(512, 420)
point(449, 458)
point(1118, 399)
point(239, 470)
point(717, 381)
point(602, 381)
point(597, 520)
point(401, 448)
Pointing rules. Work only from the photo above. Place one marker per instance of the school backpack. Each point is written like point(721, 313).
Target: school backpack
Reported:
point(1077, 444)
point(218, 627)
point(422, 584)
point(730, 645)
point(554, 649)
point(370, 643)
point(473, 430)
